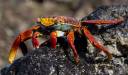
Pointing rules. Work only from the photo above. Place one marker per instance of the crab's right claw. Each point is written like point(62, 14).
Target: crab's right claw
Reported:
point(13, 50)
point(19, 43)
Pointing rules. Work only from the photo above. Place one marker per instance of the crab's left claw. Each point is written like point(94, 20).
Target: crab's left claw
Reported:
point(19, 42)
point(35, 41)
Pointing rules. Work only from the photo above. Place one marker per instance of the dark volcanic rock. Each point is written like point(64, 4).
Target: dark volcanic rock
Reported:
point(47, 61)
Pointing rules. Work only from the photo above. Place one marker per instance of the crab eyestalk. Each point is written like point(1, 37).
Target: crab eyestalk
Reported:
point(20, 39)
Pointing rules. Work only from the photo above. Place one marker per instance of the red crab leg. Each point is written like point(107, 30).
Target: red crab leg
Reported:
point(70, 38)
point(19, 39)
point(95, 43)
point(35, 41)
point(113, 21)
point(53, 39)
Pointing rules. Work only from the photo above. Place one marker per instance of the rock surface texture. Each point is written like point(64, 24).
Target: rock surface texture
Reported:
point(47, 61)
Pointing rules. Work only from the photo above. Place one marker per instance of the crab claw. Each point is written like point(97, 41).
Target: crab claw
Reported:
point(35, 41)
point(12, 53)
point(19, 42)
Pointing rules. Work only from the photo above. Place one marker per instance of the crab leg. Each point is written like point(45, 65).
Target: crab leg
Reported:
point(95, 43)
point(70, 38)
point(20, 39)
point(53, 39)
point(114, 21)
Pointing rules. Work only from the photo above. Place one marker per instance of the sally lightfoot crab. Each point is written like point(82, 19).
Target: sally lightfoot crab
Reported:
point(59, 26)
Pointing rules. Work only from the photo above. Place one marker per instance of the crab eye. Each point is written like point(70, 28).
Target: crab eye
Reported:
point(47, 21)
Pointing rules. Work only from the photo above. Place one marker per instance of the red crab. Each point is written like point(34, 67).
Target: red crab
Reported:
point(60, 26)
